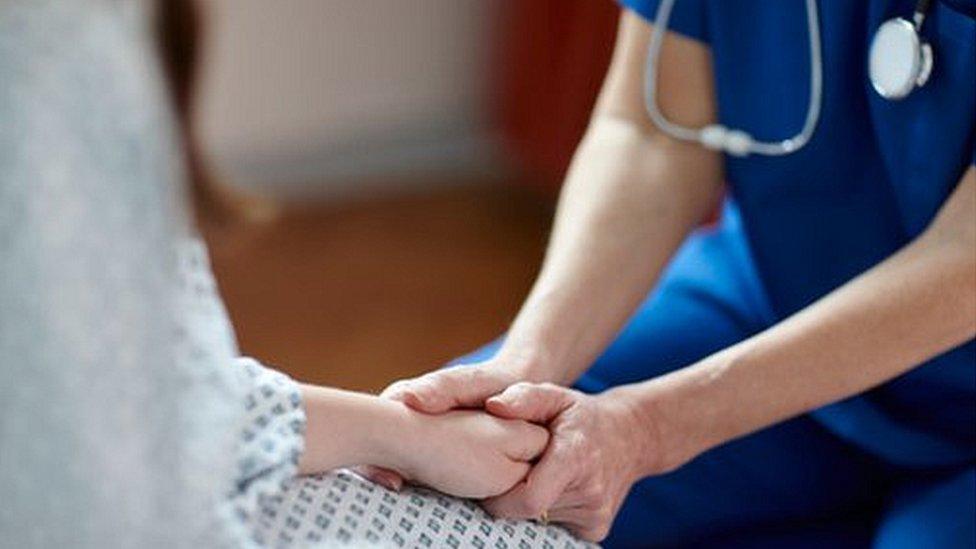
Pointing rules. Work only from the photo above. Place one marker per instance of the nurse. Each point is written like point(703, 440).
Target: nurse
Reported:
point(800, 372)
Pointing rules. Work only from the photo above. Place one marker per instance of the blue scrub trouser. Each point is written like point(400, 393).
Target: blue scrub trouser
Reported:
point(792, 485)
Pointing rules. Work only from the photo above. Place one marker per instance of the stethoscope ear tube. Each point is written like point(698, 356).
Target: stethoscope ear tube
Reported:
point(717, 137)
point(898, 62)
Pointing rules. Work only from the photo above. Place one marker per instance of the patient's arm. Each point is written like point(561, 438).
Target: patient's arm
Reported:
point(464, 453)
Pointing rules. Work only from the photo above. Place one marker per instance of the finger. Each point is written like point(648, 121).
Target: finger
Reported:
point(592, 529)
point(594, 534)
point(438, 392)
point(538, 403)
point(571, 498)
point(405, 391)
point(520, 470)
point(386, 478)
point(530, 441)
point(568, 516)
point(584, 520)
point(540, 490)
point(395, 390)
point(581, 520)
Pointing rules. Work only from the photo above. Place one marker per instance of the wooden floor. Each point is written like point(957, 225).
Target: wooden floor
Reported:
point(360, 294)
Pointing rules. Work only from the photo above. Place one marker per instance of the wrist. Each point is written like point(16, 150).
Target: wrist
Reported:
point(345, 428)
point(658, 443)
point(391, 444)
point(523, 361)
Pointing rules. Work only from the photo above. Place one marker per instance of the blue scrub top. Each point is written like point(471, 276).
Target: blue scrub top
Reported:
point(871, 179)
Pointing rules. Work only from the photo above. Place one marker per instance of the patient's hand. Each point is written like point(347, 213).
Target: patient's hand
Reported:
point(466, 453)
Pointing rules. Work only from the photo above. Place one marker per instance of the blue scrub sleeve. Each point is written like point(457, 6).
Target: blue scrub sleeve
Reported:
point(967, 7)
point(688, 17)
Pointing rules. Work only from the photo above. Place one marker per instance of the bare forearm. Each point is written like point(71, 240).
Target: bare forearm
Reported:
point(630, 197)
point(629, 200)
point(915, 305)
point(346, 428)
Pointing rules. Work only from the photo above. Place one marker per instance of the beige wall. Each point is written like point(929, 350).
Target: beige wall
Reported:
point(311, 90)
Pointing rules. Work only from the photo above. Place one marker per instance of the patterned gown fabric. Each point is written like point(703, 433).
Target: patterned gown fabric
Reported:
point(111, 433)
point(342, 508)
point(335, 508)
point(127, 417)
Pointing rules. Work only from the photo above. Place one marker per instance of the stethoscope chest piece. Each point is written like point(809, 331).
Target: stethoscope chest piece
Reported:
point(898, 61)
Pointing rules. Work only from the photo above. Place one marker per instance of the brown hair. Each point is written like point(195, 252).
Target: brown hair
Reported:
point(180, 27)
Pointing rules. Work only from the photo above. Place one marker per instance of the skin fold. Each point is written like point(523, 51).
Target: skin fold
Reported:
point(631, 188)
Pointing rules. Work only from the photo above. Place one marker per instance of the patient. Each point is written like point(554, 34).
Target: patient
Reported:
point(127, 416)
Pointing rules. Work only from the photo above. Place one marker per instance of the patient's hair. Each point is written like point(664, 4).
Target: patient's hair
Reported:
point(180, 28)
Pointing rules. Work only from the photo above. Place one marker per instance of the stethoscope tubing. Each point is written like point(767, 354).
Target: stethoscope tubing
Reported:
point(701, 135)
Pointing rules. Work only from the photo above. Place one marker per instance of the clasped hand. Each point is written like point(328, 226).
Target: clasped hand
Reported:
point(586, 470)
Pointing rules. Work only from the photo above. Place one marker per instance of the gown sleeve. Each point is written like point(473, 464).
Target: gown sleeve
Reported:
point(270, 427)
point(270, 439)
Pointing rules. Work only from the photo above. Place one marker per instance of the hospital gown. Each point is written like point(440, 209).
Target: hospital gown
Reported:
point(127, 416)
point(281, 510)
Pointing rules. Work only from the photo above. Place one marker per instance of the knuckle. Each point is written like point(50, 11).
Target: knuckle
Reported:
point(532, 505)
point(439, 382)
point(476, 374)
point(434, 379)
point(396, 388)
point(594, 491)
point(470, 374)
point(549, 386)
point(572, 447)
point(396, 385)
point(563, 454)
point(534, 435)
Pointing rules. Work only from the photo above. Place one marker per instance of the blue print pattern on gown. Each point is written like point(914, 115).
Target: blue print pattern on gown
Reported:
point(278, 509)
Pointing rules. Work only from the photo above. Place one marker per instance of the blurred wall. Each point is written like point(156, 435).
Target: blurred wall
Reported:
point(332, 92)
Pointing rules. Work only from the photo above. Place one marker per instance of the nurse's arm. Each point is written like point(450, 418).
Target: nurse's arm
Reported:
point(632, 194)
point(630, 197)
point(917, 304)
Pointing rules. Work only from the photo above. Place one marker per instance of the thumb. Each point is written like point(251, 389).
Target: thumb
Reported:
point(444, 390)
point(538, 403)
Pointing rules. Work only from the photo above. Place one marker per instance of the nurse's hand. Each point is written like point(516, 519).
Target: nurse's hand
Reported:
point(467, 386)
point(436, 392)
point(599, 447)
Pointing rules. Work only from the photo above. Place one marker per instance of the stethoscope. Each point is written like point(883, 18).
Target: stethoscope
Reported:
point(899, 61)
